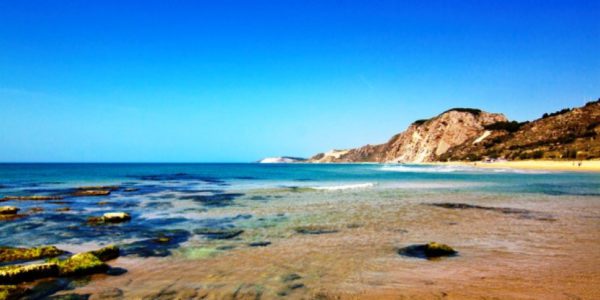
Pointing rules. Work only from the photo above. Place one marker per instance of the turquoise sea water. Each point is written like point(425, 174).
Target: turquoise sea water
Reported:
point(170, 199)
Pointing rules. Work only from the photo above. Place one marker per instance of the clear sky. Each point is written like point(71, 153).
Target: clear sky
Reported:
point(214, 81)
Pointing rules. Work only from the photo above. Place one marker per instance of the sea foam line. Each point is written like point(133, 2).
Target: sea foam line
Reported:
point(345, 186)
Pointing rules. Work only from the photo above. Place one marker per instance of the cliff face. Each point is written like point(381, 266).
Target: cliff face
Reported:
point(566, 134)
point(470, 134)
point(424, 140)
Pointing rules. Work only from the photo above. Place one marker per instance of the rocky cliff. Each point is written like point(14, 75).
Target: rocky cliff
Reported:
point(472, 134)
point(423, 141)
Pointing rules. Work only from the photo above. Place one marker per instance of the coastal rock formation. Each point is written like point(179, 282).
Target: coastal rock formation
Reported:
point(472, 134)
point(423, 141)
point(565, 134)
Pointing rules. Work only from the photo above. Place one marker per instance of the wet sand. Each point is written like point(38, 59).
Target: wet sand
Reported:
point(548, 165)
point(551, 252)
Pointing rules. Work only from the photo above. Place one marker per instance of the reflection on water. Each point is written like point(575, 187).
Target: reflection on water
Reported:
point(315, 231)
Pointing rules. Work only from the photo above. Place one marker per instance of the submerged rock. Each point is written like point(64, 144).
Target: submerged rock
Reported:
point(311, 229)
point(22, 273)
point(159, 246)
point(219, 234)
point(430, 250)
point(110, 217)
point(30, 198)
point(8, 210)
point(90, 193)
point(522, 213)
point(8, 254)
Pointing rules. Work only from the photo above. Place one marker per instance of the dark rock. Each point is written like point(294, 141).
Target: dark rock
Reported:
point(12, 292)
point(428, 251)
point(22, 273)
point(156, 247)
point(314, 230)
point(107, 253)
point(8, 210)
point(260, 244)
point(290, 277)
point(218, 234)
point(116, 271)
point(70, 297)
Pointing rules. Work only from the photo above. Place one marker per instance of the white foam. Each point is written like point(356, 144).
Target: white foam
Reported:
point(345, 186)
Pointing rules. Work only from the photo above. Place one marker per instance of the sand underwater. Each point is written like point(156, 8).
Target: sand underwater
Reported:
point(305, 231)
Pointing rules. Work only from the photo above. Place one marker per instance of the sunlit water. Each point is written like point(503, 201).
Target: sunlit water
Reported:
point(550, 248)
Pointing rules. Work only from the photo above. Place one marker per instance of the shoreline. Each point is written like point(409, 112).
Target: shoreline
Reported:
point(545, 165)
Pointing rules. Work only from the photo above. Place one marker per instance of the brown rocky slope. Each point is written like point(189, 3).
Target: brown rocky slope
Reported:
point(472, 134)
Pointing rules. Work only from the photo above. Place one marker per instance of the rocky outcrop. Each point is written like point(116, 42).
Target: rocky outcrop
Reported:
point(565, 134)
point(423, 141)
point(109, 218)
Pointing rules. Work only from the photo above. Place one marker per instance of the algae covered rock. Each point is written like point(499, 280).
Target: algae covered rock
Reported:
point(80, 264)
point(107, 253)
point(22, 273)
point(8, 210)
point(8, 254)
point(430, 250)
point(10, 292)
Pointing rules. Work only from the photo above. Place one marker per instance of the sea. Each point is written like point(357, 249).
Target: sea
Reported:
point(226, 225)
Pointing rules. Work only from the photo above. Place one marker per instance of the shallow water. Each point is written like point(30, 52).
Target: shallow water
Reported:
point(543, 243)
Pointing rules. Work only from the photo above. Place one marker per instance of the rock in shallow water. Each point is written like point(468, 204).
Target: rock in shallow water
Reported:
point(10, 292)
point(8, 210)
point(79, 264)
point(9, 254)
point(219, 234)
point(110, 217)
point(19, 273)
point(428, 251)
point(30, 198)
point(314, 230)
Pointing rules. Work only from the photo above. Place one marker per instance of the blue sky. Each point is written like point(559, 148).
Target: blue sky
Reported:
point(213, 81)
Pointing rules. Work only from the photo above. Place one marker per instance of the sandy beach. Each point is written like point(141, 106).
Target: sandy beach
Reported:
point(549, 165)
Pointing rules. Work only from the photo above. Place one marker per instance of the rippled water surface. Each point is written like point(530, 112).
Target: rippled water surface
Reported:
point(317, 231)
